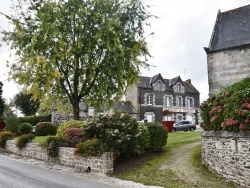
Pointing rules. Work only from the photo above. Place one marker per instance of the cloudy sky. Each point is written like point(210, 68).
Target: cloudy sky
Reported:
point(183, 28)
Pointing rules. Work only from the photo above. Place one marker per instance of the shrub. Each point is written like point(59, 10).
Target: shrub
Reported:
point(53, 145)
point(73, 136)
point(2, 125)
point(25, 128)
point(158, 136)
point(4, 136)
point(229, 109)
point(119, 132)
point(12, 124)
point(144, 139)
point(23, 140)
point(69, 124)
point(92, 147)
point(45, 128)
point(33, 120)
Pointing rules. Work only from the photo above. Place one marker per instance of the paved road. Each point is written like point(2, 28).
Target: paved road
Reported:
point(18, 172)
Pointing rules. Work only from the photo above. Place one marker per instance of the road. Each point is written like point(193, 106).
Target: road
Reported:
point(19, 172)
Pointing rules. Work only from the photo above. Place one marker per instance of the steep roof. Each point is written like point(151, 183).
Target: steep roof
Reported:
point(232, 29)
point(145, 82)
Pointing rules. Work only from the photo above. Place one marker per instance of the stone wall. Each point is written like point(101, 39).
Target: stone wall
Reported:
point(100, 164)
point(227, 67)
point(228, 154)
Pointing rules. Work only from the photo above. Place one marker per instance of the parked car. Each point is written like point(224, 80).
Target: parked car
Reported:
point(184, 125)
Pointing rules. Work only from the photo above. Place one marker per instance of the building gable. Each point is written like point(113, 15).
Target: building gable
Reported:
point(232, 29)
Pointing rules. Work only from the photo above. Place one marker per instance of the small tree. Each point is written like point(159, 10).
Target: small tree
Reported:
point(26, 104)
point(2, 104)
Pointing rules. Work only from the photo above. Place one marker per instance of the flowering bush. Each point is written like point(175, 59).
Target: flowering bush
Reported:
point(68, 124)
point(4, 136)
point(53, 145)
point(92, 147)
point(73, 136)
point(120, 132)
point(229, 109)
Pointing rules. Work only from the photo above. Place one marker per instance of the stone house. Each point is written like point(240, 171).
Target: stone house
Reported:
point(154, 94)
point(228, 53)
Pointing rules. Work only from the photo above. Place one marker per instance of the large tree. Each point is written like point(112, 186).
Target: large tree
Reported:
point(26, 104)
point(81, 49)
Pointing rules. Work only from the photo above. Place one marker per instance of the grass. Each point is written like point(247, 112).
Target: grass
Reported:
point(149, 173)
point(40, 139)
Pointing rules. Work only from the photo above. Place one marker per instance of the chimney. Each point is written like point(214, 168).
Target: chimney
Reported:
point(188, 81)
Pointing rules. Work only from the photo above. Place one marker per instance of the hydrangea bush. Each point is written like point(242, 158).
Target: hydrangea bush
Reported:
point(121, 133)
point(229, 109)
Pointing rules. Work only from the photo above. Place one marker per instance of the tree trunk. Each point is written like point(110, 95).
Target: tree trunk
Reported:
point(76, 110)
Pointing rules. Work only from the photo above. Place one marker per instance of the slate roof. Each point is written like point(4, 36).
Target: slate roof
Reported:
point(125, 107)
point(146, 83)
point(232, 29)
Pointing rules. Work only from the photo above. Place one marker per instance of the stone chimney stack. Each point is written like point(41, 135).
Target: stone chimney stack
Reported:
point(188, 81)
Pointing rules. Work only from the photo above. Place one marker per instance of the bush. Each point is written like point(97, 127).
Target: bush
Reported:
point(69, 124)
point(92, 147)
point(4, 136)
point(33, 120)
point(25, 128)
point(12, 124)
point(45, 128)
point(53, 145)
point(144, 139)
point(2, 125)
point(74, 136)
point(120, 132)
point(158, 136)
point(229, 109)
point(23, 140)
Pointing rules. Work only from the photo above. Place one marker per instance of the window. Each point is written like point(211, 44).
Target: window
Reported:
point(190, 103)
point(168, 101)
point(149, 118)
point(179, 87)
point(158, 86)
point(179, 102)
point(149, 99)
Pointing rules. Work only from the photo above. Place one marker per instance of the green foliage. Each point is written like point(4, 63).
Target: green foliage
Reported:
point(158, 136)
point(53, 145)
point(74, 136)
point(92, 147)
point(2, 103)
point(23, 140)
point(68, 124)
point(229, 109)
point(4, 136)
point(120, 132)
point(33, 120)
point(144, 139)
point(25, 128)
point(91, 44)
point(12, 124)
point(26, 104)
point(45, 128)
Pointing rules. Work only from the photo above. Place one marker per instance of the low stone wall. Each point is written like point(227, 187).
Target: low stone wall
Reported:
point(100, 164)
point(228, 154)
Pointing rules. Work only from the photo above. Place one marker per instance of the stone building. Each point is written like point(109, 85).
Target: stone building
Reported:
point(228, 53)
point(154, 94)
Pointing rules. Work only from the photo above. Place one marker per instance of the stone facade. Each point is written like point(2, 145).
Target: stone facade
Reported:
point(228, 154)
point(227, 67)
point(101, 164)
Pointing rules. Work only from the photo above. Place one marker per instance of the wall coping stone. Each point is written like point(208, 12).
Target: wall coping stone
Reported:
point(226, 134)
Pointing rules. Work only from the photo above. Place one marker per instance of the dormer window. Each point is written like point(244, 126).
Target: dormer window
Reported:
point(179, 87)
point(159, 85)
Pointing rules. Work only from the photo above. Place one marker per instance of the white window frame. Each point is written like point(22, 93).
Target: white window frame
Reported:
point(149, 99)
point(179, 101)
point(168, 100)
point(190, 102)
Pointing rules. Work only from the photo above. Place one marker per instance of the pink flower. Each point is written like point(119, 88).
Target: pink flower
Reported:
point(242, 126)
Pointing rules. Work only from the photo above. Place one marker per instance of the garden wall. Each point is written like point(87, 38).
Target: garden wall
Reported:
point(101, 164)
point(228, 154)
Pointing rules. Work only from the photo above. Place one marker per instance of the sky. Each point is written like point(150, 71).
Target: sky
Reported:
point(181, 31)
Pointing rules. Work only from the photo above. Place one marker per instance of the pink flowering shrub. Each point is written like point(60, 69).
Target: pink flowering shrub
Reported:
point(73, 136)
point(229, 109)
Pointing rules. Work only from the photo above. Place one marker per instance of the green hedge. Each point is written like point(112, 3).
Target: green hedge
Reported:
point(33, 120)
